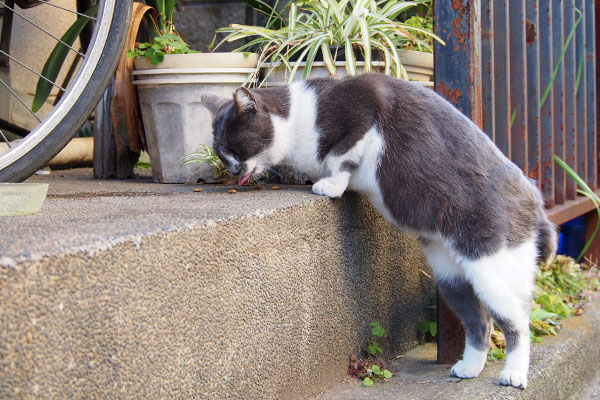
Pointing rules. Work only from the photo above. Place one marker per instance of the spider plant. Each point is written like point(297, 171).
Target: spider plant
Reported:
point(333, 28)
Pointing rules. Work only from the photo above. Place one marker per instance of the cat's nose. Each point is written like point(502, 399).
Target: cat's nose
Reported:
point(236, 169)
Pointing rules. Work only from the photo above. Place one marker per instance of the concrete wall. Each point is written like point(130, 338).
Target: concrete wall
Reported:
point(199, 20)
point(263, 306)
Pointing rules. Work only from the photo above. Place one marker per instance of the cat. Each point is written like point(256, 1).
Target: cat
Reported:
point(428, 169)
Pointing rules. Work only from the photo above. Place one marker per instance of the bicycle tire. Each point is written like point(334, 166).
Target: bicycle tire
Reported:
point(52, 135)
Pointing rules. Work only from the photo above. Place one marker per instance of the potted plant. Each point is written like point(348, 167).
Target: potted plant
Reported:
point(170, 79)
point(342, 37)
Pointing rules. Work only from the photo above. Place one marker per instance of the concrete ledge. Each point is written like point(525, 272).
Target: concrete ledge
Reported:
point(139, 290)
point(562, 367)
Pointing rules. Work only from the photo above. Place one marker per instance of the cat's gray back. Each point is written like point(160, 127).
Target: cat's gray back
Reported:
point(438, 172)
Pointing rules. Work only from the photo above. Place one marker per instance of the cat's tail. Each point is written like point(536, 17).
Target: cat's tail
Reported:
point(547, 240)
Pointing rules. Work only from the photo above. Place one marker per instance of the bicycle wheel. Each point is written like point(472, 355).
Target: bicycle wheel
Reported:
point(78, 99)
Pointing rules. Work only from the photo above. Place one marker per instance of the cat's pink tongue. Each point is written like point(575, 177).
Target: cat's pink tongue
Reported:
point(243, 179)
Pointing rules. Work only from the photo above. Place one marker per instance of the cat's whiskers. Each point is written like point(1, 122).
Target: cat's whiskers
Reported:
point(273, 171)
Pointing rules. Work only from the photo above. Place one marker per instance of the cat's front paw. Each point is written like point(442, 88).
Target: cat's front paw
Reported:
point(513, 377)
point(466, 370)
point(325, 187)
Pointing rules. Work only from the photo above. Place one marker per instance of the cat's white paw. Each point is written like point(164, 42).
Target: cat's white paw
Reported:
point(325, 187)
point(513, 377)
point(466, 370)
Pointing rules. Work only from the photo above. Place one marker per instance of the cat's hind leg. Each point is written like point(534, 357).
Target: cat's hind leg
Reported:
point(504, 282)
point(477, 322)
point(460, 296)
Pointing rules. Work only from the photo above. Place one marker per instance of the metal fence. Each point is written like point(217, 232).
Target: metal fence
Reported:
point(525, 71)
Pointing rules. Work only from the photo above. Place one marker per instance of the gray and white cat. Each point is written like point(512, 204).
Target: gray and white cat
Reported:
point(428, 169)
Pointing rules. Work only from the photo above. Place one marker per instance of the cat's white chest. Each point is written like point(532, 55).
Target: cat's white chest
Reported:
point(299, 134)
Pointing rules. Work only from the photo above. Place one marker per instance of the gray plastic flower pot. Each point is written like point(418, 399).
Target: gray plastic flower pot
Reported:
point(175, 120)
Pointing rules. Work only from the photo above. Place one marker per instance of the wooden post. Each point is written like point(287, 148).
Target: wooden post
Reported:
point(109, 162)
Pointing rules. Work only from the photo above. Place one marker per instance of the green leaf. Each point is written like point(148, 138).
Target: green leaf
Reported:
point(513, 117)
point(57, 58)
point(377, 329)
point(328, 58)
point(372, 349)
point(350, 59)
point(542, 315)
point(367, 382)
point(387, 374)
point(156, 58)
point(560, 59)
point(376, 370)
point(364, 29)
point(433, 328)
point(423, 327)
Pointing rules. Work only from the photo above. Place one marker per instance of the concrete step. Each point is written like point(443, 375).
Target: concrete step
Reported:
point(562, 367)
point(130, 289)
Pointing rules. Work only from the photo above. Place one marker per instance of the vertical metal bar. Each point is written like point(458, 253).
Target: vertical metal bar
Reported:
point(487, 70)
point(458, 79)
point(501, 82)
point(518, 83)
point(533, 90)
point(590, 95)
point(569, 92)
point(461, 84)
point(580, 92)
point(546, 39)
point(557, 93)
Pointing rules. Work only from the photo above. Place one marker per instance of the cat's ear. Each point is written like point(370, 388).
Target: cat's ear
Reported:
point(213, 102)
point(245, 102)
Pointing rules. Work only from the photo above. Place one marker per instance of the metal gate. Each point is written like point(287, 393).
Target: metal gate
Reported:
point(524, 71)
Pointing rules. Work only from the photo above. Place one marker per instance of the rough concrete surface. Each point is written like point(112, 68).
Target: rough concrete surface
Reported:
point(133, 289)
point(562, 367)
point(200, 19)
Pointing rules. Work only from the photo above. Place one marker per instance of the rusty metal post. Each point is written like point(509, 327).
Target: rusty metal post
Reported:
point(458, 79)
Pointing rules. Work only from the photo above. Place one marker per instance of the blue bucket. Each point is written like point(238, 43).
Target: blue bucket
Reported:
point(572, 237)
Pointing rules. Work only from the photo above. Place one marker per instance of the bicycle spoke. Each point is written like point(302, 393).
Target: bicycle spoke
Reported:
point(5, 139)
point(20, 100)
point(40, 28)
point(66, 9)
point(38, 74)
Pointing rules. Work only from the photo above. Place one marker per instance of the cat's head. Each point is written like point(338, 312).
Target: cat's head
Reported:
point(243, 133)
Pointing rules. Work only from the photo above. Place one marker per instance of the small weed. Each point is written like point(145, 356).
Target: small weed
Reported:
point(370, 368)
point(377, 331)
point(427, 328)
point(376, 373)
point(496, 354)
